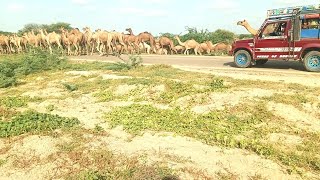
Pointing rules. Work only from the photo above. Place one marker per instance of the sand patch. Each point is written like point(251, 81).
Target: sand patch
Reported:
point(299, 118)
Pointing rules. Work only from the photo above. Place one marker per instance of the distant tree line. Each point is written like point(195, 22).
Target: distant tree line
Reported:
point(48, 27)
point(220, 35)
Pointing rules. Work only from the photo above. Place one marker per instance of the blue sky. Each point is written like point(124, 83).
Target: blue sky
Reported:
point(155, 16)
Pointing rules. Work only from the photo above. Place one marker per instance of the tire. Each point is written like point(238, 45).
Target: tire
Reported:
point(311, 61)
point(261, 62)
point(242, 59)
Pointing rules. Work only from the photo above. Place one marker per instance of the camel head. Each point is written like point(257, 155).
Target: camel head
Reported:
point(242, 23)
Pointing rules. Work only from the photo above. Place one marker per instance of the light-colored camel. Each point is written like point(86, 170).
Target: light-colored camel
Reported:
point(89, 40)
point(189, 44)
point(118, 38)
point(179, 49)
point(161, 51)
point(105, 38)
point(145, 47)
point(245, 24)
point(4, 43)
point(32, 39)
point(211, 46)
point(166, 42)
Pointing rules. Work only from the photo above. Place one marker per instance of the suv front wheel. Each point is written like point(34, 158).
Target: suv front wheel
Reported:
point(312, 61)
point(242, 59)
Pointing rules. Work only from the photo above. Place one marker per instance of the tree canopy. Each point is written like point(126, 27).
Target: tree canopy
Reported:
point(49, 27)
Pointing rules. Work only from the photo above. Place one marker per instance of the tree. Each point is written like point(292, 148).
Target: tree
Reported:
point(221, 35)
point(245, 36)
point(29, 27)
point(5, 33)
point(49, 27)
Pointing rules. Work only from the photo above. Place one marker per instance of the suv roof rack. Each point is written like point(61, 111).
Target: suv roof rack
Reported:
point(290, 11)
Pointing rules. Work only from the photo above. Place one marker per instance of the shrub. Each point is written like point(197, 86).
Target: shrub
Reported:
point(7, 74)
point(34, 122)
point(133, 62)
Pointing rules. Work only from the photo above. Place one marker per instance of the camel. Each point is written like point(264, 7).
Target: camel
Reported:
point(203, 47)
point(32, 39)
point(145, 47)
point(162, 51)
point(4, 43)
point(211, 46)
point(88, 39)
point(80, 38)
point(69, 39)
point(16, 41)
point(50, 38)
point(146, 37)
point(189, 44)
point(244, 23)
point(118, 38)
point(164, 41)
point(131, 39)
point(105, 38)
point(179, 49)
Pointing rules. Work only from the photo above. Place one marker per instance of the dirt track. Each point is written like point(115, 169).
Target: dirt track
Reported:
point(276, 71)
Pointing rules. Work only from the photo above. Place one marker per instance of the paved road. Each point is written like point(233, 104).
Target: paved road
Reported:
point(214, 62)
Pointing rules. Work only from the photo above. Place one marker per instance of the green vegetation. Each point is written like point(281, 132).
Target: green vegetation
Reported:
point(34, 122)
point(202, 35)
point(226, 128)
point(11, 69)
point(13, 101)
point(49, 27)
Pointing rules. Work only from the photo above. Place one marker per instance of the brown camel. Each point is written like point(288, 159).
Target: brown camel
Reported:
point(147, 37)
point(222, 47)
point(131, 39)
point(164, 41)
point(189, 44)
point(70, 39)
point(203, 47)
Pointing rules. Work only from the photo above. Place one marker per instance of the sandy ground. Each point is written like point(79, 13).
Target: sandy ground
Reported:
point(35, 149)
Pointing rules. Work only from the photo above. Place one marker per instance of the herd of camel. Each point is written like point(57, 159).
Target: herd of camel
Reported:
point(75, 42)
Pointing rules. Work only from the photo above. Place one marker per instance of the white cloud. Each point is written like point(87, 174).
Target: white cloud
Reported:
point(225, 5)
point(141, 12)
point(81, 2)
point(15, 7)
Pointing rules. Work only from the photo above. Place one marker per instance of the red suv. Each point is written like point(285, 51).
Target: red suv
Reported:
point(288, 33)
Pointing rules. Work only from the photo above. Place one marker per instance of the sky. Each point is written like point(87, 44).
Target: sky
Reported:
point(155, 16)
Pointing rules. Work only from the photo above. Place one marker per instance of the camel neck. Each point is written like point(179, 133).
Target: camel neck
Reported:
point(179, 41)
point(250, 29)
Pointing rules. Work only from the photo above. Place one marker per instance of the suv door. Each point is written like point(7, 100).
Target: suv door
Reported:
point(272, 42)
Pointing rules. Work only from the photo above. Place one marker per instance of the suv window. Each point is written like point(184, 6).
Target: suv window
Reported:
point(274, 30)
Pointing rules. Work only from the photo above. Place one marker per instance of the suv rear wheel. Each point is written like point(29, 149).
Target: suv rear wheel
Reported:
point(312, 61)
point(242, 59)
